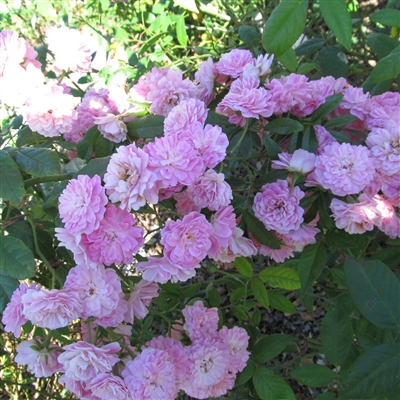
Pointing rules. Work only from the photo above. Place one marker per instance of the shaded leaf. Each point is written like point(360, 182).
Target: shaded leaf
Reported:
point(284, 126)
point(269, 347)
point(281, 277)
point(381, 44)
point(271, 387)
point(331, 102)
point(387, 67)
point(280, 302)
point(313, 375)
point(39, 161)
point(147, 127)
point(243, 266)
point(259, 291)
point(7, 288)
point(262, 235)
point(97, 166)
point(11, 184)
point(388, 17)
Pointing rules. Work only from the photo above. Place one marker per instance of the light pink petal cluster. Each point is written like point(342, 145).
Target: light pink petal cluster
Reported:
point(344, 169)
point(51, 309)
point(233, 63)
point(184, 114)
point(140, 298)
point(300, 161)
point(83, 361)
point(70, 48)
point(210, 191)
point(41, 362)
point(285, 251)
point(98, 289)
point(277, 206)
point(187, 241)
point(82, 204)
point(112, 127)
point(210, 142)
point(205, 77)
point(174, 161)
point(129, 180)
point(116, 240)
point(107, 386)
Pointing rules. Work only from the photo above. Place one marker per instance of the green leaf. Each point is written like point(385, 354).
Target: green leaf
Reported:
point(312, 262)
point(97, 166)
point(16, 258)
point(45, 8)
point(11, 184)
point(309, 47)
point(327, 396)
point(309, 140)
point(246, 374)
point(388, 17)
point(74, 166)
point(239, 312)
point(103, 147)
point(330, 104)
point(284, 126)
point(147, 127)
point(181, 30)
point(262, 235)
point(340, 121)
point(256, 316)
point(387, 67)
point(280, 302)
point(259, 291)
point(38, 161)
point(389, 255)
point(213, 295)
point(86, 146)
point(281, 278)
point(22, 230)
point(376, 88)
point(338, 19)
point(271, 387)
point(237, 295)
point(313, 375)
point(381, 44)
point(336, 335)
point(333, 62)
point(375, 291)
point(243, 266)
point(269, 347)
point(7, 288)
point(272, 147)
point(374, 373)
point(305, 68)
point(250, 35)
point(289, 60)
point(284, 26)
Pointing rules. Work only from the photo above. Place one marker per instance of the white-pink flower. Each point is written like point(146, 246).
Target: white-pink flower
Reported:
point(41, 362)
point(300, 161)
point(112, 127)
point(140, 298)
point(151, 376)
point(233, 63)
point(51, 309)
point(107, 386)
point(129, 180)
point(82, 204)
point(210, 190)
point(116, 240)
point(205, 77)
point(187, 241)
point(98, 289)
point(161, 270)
point(83, 361)
point(13, 317)
point(344, 169)
point(277, 206)
point(70, 48)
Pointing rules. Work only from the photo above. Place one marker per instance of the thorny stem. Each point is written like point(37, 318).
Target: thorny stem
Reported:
point(49, 178)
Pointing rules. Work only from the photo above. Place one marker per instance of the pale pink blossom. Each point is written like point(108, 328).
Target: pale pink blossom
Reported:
point(355, 218)
point(116, 317)
point(210, 142)
point(237, 341)
point(174, 161)
point(184, 114)
point(324, 138)
point(117, 239)
point(70, 48)
point(107, 386)
point(13, 317)
point(285, 251)
point(129, 180)
point(51, 309)
point(205, 77)
point(184, 203)
point(344, 169)
point(277, 206)
point(301, 237)
point(98, 289)
point(234, 62)
point(355, 100)
point(246, 100)
point(82, 204)
point(389, 222)
point(151, 376)
point(200, 322)
point(76, 387)
point(140, 298)
point(83, 361)
point(187, 241)
point(50, 111)
point(224, 223)
point(112, 127)
point(383, 117)
point(161, 270)
point(40, 361)
point(300, 161)
point(15, 51)
point(260, 67)
point(210, 191)
point(209, 363)
point(385, 150)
